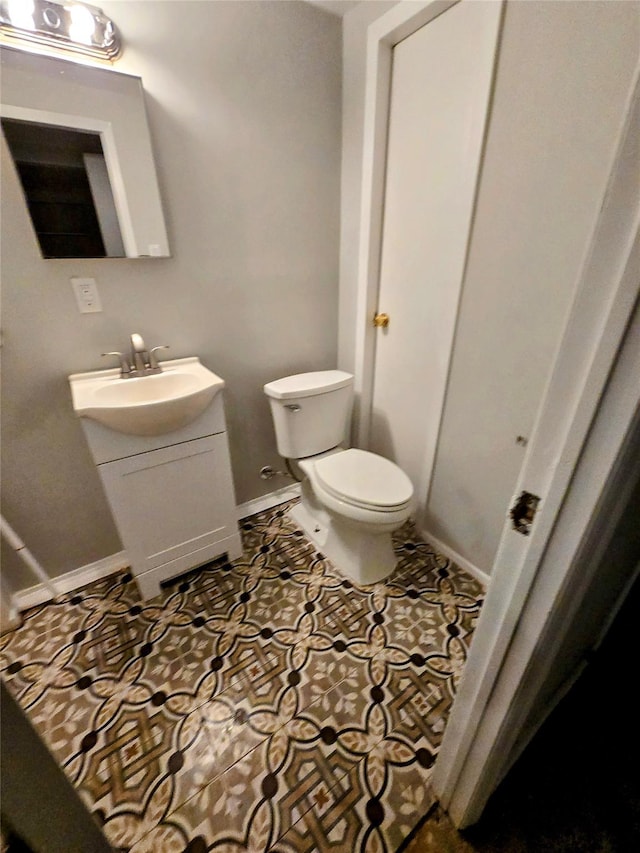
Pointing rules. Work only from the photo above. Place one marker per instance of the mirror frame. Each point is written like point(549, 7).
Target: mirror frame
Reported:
point(59, 92)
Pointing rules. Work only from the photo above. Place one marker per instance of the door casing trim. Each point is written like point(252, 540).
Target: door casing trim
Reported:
point(382, 36)
point(374, 179)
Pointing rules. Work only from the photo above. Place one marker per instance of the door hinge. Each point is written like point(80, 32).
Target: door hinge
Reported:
point(523, 512)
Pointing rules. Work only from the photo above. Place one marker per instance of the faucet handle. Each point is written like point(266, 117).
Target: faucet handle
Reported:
point(124, 364)
point(153, 361)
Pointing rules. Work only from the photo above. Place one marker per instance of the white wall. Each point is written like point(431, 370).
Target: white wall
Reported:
point(244, 111)
point(563, 77)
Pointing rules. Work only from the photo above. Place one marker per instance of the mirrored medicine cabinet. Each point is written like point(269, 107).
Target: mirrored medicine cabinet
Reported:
point(79, 139)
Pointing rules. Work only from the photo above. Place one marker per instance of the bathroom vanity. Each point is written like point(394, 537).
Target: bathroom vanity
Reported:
point(172, 493)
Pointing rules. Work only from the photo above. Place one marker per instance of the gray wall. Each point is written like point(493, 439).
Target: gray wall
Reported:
point(564, 77)
point(39, 803)
point(244, 104)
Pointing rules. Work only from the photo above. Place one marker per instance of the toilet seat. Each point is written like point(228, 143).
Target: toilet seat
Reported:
point(364, 480)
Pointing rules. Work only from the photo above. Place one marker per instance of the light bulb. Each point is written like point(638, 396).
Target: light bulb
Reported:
point(82, 25)
point(21, 13)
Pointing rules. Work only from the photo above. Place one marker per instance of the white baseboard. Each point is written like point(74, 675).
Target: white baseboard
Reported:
point(447, 551)
point(287, 493)
point(70, 581)
point(38, 594)
point(9, 616)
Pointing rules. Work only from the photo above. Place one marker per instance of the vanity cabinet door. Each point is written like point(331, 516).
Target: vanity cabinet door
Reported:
point(174, 508)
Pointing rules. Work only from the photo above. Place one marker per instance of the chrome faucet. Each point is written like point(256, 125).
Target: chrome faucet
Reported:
point(143, 362)
point(139, 357)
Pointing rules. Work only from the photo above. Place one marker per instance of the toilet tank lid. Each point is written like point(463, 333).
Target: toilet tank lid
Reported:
point(308, 384)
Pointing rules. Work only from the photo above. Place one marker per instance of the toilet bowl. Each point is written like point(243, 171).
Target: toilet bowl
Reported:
point(365, 498)
point(352, 500)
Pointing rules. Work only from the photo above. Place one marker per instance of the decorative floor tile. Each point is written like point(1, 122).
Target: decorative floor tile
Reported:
point(276, 530)
point(210, 588)
point(348, 817)
point(389, 813)
point(326, 673)
point(234, 811)
point(111, 645)
point(332, 823)
point(38, 637)
point(63, 718)
point(348, 607)
point(267, 704)
point(419, 705)
point(312, 777)
point(210, 740)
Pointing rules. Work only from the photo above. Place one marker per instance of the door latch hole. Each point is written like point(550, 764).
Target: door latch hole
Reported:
point(523, 512)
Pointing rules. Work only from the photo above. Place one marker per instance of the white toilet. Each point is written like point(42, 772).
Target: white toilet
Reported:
point(352, 500)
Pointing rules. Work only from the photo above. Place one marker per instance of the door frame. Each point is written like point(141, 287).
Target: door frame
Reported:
point(382, 36)
point(466, 770)
point(375, 274)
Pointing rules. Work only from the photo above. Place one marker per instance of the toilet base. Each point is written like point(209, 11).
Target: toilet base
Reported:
point(361, 556)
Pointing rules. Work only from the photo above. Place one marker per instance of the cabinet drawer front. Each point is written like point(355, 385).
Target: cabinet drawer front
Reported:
point(170, 502)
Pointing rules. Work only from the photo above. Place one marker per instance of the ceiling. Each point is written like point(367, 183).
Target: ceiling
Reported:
point(336, 7)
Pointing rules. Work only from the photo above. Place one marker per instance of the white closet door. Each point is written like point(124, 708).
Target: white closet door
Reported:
point(439, 95)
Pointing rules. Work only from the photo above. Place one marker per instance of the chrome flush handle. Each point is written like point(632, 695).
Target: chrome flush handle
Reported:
point(293, 407)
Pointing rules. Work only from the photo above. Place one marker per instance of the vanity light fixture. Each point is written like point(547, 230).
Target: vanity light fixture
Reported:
point(66, 24)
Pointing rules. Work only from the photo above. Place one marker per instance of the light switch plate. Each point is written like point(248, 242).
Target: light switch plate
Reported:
point(87, 296)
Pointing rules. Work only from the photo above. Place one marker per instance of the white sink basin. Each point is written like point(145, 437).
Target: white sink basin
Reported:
point(146, 405)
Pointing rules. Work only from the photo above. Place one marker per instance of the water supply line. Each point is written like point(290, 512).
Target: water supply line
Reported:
point(267, 472)
point(26, 556)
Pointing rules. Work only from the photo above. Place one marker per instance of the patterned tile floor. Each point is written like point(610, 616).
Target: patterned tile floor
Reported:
point(264, 705)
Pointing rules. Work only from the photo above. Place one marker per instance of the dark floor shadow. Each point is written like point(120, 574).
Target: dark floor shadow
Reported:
point(577, 787)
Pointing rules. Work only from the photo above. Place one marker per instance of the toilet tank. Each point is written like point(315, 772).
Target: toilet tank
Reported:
point(311, 411)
